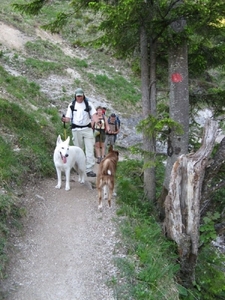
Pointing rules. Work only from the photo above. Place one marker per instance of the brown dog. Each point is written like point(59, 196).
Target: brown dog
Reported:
point(106, 176)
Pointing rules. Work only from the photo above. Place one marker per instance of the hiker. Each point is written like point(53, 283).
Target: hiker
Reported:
point(104, 110)
point(100, 128)
point(80, 114)
point(114, 128)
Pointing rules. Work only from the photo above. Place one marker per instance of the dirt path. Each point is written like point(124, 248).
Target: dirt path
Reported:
point(67, 247)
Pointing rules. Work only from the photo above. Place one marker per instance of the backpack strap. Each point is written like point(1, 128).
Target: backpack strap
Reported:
point(87, 107)
point(72, 110)
point(103, 118)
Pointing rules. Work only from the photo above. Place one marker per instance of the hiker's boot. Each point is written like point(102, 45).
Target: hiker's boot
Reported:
point(98, 160)
point(91, 174)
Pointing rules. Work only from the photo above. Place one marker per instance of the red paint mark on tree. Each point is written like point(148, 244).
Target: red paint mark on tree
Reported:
point(177, 77)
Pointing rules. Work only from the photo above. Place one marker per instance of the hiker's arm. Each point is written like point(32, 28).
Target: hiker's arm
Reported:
point(107, 128)
point(92, 124)
point(118, 130)
point(65, 119)
point(94, 118)
point(115, 132)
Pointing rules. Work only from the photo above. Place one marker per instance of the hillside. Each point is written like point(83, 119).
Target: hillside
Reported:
point(57, 86)
point(66, 247)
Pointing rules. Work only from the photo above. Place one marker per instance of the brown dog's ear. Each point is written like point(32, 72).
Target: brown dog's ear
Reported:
point(110, 148)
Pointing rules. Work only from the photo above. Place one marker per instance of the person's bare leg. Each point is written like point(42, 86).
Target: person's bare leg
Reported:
point(97, 151)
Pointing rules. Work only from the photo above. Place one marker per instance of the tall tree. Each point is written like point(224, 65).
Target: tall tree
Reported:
point(148, 143)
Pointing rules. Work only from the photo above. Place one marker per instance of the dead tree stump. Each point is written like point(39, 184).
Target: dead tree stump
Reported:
point(182, 204)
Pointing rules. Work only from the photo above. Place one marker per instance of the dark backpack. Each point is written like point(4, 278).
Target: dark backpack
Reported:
point(87, 108)
point(118, 121)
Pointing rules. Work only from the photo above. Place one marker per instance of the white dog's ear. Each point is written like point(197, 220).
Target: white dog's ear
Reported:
point(68, 140)
point(59, 140)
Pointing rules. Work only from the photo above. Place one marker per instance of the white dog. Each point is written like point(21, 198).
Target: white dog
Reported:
point(67, 157)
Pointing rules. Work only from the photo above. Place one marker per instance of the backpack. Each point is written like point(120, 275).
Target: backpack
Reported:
point(118, 121)
point(87, 108)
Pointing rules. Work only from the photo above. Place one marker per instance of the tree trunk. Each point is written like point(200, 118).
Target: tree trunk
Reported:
point(149, 107)
point(182, 204)
point(179, 107)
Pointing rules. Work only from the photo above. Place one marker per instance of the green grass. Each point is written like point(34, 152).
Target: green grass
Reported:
point(20, 90)
point(44, 49)
point(117, 89)
point(27, 132)
point(43, 68)
point(148, 271)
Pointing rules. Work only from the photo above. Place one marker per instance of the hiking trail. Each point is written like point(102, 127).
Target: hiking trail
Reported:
point(66, 248)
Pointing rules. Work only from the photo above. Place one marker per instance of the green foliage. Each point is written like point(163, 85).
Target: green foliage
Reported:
point(152, 126)
point(210, 282)
point(207, 229)
point(218, 199)
point(60, 21)
point(32, 8)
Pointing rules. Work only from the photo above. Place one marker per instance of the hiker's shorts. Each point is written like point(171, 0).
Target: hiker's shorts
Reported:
point(101, 137)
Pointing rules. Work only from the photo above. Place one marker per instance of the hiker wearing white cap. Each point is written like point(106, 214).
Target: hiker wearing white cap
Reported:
point(80, 113)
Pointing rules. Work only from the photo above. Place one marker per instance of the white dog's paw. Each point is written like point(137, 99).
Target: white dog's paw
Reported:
point(58, 186)
point(81, 180)
point(67, 188)
point(100, 207)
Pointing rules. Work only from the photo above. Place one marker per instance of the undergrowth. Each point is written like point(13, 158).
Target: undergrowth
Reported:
point(150, 270)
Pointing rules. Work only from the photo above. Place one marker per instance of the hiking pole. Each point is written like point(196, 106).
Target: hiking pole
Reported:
point(64, 125)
